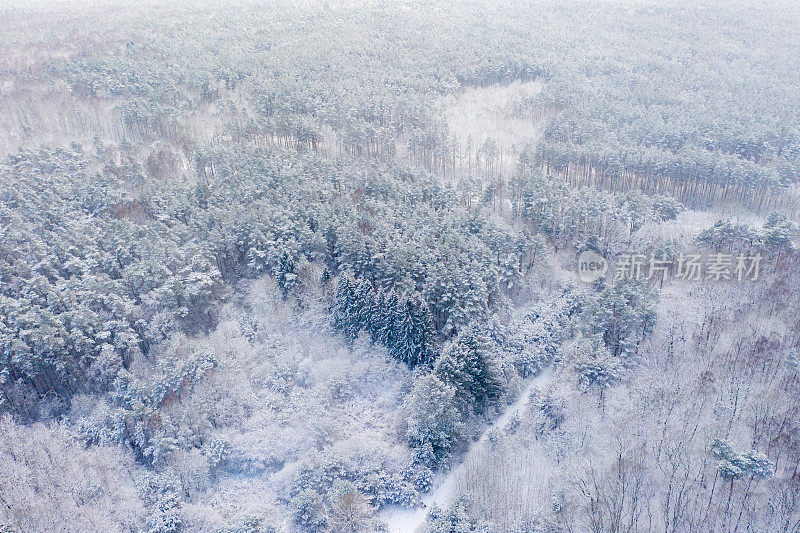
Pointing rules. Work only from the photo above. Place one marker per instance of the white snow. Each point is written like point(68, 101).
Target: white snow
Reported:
point(405, 520)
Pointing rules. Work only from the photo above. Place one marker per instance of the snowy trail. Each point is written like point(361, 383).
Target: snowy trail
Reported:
point(404, 520)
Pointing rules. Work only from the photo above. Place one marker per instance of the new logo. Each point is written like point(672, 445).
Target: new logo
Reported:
point(591, 266)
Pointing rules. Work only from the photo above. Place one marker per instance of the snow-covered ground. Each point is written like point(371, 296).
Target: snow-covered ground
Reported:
point(405, 520)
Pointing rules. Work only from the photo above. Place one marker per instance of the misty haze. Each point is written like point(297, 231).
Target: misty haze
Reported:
point(411, 266)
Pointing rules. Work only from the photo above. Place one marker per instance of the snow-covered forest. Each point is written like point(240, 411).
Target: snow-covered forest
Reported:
point(320, 266)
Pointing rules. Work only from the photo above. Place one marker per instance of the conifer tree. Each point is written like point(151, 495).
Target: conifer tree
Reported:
point(388, 320)
point(414, 332)
point(364, 303)
point(345, 310)
point(375, 315)
point(471, 369)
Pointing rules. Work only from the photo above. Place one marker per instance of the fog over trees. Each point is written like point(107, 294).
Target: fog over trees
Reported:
point(321, 266)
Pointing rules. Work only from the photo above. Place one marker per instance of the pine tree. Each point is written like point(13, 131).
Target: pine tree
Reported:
point(779, 233)
point(415, 332)
point(622, 314)
point(364, 303)
point(345, 310)
point(375, 315)
point(434, 424)
point(595, 366)
point(389, 318)
point(285, 273)
point(470, 367)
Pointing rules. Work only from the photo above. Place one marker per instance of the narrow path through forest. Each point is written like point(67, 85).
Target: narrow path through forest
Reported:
point(404, 520)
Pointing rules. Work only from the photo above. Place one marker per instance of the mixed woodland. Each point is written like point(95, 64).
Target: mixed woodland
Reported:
point(271, 266)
